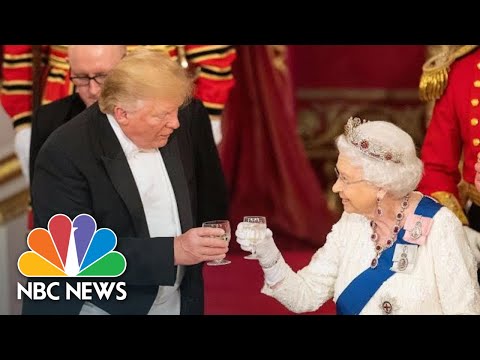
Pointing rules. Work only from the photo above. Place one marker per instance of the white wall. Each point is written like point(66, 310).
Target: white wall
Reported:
point(13, 242)
point(12, 233)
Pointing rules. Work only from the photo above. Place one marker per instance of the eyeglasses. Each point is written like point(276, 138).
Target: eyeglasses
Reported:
point(345, 181)
point(85, 80)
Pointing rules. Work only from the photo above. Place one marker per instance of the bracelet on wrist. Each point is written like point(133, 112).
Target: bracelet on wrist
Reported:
point(274, 262)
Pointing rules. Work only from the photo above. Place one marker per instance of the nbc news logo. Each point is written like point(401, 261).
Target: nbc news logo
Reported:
point(72, 249)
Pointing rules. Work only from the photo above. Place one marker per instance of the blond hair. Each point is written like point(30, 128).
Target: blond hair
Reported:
point(142, 75)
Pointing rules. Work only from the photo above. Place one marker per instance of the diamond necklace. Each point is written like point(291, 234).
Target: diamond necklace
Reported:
point(393, 237)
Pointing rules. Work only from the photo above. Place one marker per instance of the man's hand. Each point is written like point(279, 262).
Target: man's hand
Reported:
point(198, 245)
point(477, 175)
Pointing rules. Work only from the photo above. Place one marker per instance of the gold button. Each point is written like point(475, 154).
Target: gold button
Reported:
point(474, 102)
point(478, 66)
point(476, 142)
point(474, 122)
point(477, 83)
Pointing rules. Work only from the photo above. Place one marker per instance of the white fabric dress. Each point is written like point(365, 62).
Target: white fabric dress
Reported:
point(444, 280)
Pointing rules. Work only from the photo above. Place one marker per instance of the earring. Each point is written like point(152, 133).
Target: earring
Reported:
point(379, 209)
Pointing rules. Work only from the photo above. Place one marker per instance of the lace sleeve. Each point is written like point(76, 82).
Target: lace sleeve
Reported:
point(454, 266)
point(312, 286)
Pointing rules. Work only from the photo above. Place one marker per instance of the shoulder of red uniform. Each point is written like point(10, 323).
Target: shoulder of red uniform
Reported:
point(435, 71)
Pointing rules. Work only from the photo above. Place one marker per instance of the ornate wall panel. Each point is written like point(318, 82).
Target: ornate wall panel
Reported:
point(336, 82)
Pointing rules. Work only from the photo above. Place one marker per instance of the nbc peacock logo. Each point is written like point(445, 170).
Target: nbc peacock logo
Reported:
point(71, 249)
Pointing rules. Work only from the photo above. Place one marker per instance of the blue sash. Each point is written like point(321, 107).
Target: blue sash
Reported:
point(357, 294)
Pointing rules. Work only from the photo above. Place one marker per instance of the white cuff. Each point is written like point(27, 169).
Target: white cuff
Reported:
point(275, 273)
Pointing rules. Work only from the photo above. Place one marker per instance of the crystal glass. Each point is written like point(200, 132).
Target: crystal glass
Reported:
point(256, 226)
point(221, 224)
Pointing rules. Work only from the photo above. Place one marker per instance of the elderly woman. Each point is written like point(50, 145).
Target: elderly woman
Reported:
point(393, 251)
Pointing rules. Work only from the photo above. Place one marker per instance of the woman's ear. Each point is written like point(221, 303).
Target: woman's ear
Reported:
point(381, 193)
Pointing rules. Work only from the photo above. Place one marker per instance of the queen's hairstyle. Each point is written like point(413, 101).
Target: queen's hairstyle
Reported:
point(370, 146)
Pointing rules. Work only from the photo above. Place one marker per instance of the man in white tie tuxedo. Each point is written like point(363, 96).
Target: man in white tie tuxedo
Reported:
point(143, 162)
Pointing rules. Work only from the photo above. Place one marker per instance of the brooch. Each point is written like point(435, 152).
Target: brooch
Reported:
point(388, 305)
point(417, 228)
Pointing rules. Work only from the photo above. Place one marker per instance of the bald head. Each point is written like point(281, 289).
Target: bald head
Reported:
point(90, 61)
point(79, 55)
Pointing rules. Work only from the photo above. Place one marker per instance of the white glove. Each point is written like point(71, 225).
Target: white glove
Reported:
point(265, 248)
point(22, 149)
point(269, 256)
point(473, 238)
point(217, 130)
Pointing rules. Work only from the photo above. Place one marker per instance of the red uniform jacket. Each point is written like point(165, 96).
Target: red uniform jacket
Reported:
point(454, 129)
point(212, 65)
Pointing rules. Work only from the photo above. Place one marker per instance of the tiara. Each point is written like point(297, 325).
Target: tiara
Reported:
point(368, 146)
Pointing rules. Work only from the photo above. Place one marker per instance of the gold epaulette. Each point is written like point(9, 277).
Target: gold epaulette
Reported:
point(450, 201)
point(434, 78)
point(472, 193)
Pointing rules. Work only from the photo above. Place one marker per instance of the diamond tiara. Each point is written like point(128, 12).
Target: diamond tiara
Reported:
point(368, 146)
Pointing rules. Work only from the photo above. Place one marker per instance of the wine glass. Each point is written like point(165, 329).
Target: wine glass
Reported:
point(220, 224)
point(255, 224)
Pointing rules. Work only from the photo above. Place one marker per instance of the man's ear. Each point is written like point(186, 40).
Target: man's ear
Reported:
point(120, 115)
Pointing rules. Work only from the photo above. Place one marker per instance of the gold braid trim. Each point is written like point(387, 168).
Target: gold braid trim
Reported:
point(434, 78)
point(472, 193)
point(450, 201)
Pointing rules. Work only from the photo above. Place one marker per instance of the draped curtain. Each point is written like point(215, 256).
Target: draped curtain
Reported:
point(263, 158)
point(334, 82)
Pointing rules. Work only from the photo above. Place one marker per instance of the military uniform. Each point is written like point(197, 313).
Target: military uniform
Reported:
point(454, 131)
point(211, 65)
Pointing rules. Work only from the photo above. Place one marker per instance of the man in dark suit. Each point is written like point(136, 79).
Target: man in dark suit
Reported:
point(149, 172)
point(89, 65)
